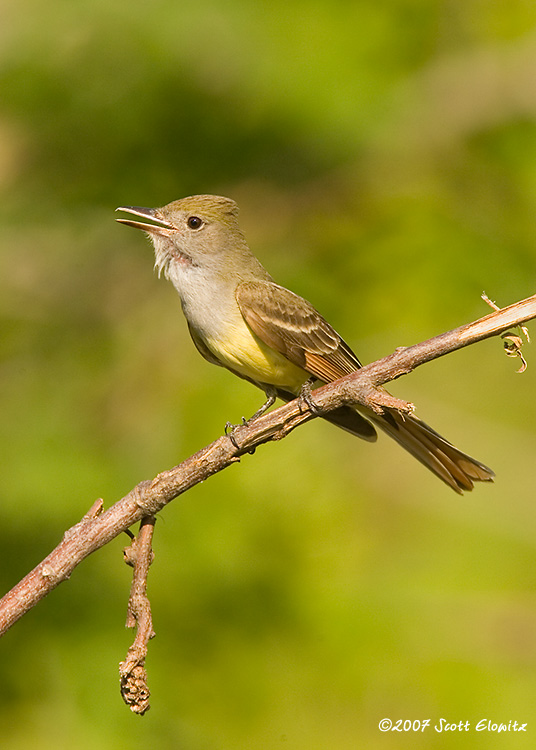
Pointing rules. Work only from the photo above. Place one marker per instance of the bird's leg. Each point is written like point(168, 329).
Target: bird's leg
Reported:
point(270, 401)
point(305, 395)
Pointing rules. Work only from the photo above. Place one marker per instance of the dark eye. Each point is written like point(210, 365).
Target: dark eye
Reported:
point(194, 222)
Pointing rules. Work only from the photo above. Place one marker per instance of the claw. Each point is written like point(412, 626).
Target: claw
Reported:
point(230, 429)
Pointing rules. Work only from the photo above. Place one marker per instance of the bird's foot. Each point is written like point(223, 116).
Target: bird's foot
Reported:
point(231, 428)
point(305, 395)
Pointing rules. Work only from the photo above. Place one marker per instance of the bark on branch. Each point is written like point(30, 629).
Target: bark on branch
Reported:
point(97, 528)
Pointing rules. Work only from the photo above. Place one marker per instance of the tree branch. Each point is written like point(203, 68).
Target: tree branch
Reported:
point(98, 528)
point(139, 554)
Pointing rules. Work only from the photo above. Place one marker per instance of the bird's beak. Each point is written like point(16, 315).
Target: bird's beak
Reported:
point(161, 226)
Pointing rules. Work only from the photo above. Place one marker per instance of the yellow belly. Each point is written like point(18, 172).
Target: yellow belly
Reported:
point(242, 351)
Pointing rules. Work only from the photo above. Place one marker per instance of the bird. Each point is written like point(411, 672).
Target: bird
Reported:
point(241, 319)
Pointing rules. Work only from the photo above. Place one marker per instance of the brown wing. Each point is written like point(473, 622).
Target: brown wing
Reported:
point(290, 325)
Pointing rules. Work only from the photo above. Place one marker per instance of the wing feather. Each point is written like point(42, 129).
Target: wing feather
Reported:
point(291, 325)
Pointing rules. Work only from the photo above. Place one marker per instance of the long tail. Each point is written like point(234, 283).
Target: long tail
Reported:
point(447, 462)
point(455, 468)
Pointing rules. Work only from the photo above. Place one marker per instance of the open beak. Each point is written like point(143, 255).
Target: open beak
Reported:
point(160, 226)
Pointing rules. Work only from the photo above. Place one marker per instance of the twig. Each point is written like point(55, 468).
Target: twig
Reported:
point(149, 497)
point(513, 342)
point(139, 554)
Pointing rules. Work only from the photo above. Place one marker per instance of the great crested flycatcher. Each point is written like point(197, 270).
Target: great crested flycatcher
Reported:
point(241, 319)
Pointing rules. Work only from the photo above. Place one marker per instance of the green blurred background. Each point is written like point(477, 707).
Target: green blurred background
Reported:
point(384, 158)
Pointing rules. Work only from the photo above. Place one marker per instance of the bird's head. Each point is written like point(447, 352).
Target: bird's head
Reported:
point(201, 230)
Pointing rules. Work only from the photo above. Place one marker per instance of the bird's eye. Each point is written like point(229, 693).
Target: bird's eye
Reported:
point(194, 222)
